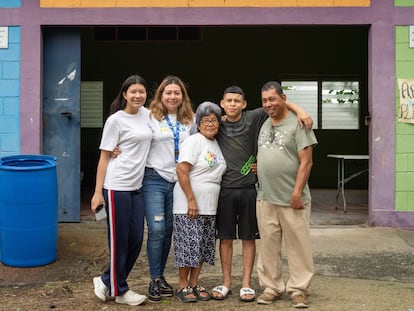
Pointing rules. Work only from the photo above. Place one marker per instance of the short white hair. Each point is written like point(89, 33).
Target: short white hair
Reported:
point(206, 108)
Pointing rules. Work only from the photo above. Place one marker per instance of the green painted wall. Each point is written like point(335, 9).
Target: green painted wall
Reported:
point(404, 2)
point(404, 140)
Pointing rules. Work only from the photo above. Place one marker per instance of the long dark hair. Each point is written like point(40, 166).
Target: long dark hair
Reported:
point(119, 102)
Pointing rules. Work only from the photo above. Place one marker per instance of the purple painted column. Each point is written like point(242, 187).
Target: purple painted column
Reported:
point(31, 79)
point(382, 88)
point(382, 129)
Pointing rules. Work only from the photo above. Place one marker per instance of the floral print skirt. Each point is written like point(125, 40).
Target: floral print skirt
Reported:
point(194, 240)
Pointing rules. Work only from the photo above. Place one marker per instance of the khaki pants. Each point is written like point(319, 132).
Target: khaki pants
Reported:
point(277, 223)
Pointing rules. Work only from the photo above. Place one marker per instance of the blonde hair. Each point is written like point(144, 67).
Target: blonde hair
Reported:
point(185, 114)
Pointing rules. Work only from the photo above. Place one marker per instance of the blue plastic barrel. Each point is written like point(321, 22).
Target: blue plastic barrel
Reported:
point(28, 210)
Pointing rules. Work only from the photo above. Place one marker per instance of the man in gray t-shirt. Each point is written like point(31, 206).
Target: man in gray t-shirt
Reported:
point(284, 162)
point(236, 213)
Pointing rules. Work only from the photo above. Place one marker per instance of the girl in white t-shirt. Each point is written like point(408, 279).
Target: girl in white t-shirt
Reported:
point(118, 188)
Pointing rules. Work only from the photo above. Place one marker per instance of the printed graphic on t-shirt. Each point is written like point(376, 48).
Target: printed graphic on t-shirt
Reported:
point(165, 128)
point(211, 159)
point(272, 139)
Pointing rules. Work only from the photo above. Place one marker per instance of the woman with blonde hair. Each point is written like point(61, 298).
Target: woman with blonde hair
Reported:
point(172, 120)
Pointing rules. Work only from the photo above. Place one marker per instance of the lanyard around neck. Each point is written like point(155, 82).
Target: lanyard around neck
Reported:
point(176, 134)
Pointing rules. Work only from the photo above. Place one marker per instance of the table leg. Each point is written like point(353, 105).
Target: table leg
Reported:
point(343, 184)
point(338, 183)
point(342, 180)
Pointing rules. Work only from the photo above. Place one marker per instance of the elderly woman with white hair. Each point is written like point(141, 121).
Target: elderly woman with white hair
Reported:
point(199, 169)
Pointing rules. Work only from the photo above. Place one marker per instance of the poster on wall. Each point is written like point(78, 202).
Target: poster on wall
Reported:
point(4, 37)
point(406, 94)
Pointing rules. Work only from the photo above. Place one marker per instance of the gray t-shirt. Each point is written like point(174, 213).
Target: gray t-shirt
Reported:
point(278, 161)
point(238, 143)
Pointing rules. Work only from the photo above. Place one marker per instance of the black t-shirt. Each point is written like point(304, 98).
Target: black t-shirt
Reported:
point(238, 143)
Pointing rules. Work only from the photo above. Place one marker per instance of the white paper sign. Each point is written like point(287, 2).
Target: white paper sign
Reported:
point(406, 109)
point(411, 39)
point(4, 37)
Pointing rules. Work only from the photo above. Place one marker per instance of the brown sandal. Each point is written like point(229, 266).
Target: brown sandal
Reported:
point(184, 293)
point(201, 293)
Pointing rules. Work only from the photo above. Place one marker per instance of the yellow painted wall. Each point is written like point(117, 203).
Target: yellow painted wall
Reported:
point(200, 3)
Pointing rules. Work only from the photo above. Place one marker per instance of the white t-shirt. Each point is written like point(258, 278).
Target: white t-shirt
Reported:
point(132, 133)
point(205, 175)
point(162, 152)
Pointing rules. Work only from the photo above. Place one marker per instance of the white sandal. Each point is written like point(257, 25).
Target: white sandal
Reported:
point(221, 289)
point(247, 291)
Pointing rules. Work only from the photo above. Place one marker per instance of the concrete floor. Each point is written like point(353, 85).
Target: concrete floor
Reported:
point(324, 212)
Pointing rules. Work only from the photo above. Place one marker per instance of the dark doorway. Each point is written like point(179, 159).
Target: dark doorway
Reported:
point(211, 58)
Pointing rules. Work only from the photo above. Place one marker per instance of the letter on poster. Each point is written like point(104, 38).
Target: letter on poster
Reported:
point(405, 111)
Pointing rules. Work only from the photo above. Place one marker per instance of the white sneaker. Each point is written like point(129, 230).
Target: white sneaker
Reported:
point(130, 298)
point(100, 289)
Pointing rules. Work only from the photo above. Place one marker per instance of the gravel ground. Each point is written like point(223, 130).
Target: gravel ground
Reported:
point(373, 274)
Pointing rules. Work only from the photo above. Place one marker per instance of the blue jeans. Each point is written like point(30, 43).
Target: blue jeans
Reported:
point(158, 197)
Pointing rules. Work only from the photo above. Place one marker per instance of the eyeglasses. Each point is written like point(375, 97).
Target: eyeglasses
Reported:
point(207, 122)
point(272, 134)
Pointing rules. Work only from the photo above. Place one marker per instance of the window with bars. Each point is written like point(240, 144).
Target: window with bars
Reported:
point(143, 33)
point(331, 104)
point(91, 98)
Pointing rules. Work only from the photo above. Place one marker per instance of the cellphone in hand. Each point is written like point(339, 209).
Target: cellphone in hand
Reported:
point(100, 213)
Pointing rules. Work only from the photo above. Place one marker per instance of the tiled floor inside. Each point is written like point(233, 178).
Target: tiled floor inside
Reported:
point(325, 213)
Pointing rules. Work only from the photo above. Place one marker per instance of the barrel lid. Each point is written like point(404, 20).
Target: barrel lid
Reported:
point(27, 162)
